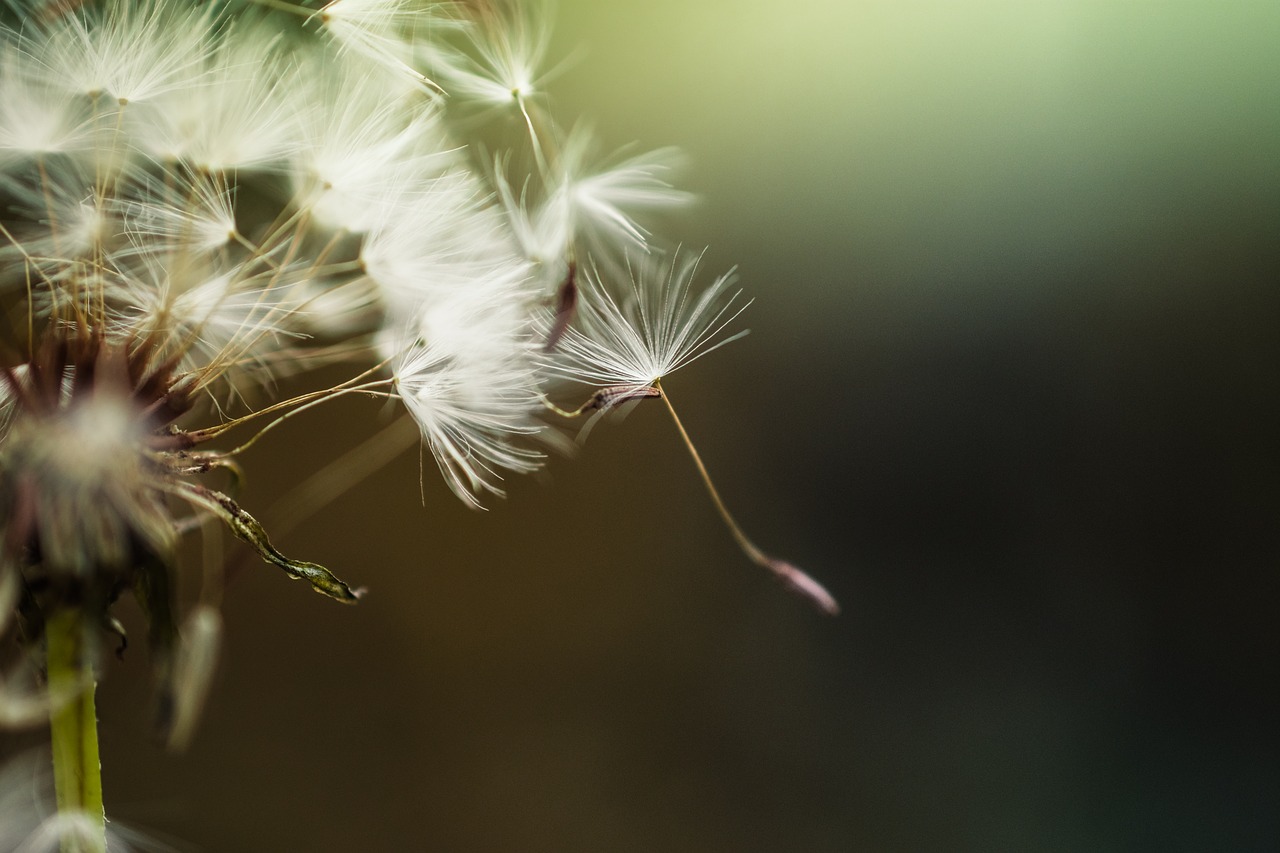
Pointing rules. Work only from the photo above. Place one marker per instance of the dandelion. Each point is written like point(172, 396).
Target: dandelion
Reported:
point(199, 200)
point(89, 460)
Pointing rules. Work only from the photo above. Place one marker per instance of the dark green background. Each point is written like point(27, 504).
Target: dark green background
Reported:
point(1011, 390)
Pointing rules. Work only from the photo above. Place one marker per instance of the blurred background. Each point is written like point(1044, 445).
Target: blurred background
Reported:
point(1010, 391)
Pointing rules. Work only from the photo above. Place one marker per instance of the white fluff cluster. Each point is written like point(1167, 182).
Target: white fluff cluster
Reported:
point(249, 186)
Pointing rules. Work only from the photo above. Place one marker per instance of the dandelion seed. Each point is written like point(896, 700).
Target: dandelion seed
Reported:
point(129, 52)
point(385, 32)
point(792, 577)
point(193, 673)
point(206, 318)
point(630, 348)
point(544, 234)
point(657, 328)
point(186, 212)
point(36, 117)
point(65, 217)
point(364, 157)
point(474, 394)
point(235, 111)
point(449, 244)
point(602, 201)
point(508, 45)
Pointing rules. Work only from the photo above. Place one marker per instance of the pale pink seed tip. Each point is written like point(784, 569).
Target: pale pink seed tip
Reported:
point(800, 583)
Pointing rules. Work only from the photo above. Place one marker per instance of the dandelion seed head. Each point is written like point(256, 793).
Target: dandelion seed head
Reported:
point(77, 475)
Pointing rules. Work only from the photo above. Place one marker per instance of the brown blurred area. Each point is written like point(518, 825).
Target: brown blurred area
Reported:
point(1010, 391)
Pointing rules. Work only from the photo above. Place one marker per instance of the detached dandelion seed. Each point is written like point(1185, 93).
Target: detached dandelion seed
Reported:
point(655, 328)
point(794, 578)
point(630, 346)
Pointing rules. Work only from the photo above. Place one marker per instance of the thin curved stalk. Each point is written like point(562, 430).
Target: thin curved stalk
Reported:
point(793, 577)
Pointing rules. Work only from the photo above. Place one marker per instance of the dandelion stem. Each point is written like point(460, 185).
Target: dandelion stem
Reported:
point(77, 770)
point(797, 580)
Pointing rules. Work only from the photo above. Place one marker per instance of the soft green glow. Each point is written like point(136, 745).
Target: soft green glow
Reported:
point(913, 138)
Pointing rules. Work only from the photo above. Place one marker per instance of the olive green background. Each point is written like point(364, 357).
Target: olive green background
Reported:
point(1010, 390)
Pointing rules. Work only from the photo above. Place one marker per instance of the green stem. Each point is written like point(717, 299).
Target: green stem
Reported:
point(77, 770)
